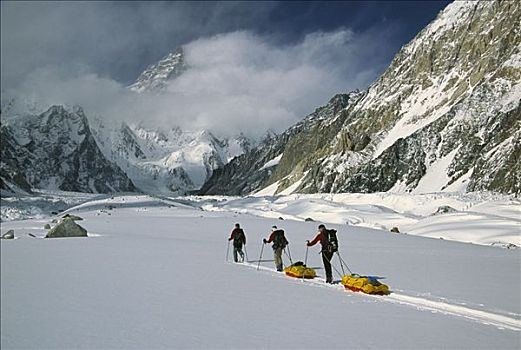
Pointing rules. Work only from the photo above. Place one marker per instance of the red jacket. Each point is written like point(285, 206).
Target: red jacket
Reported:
point(272, 236)
point(320, 237)
point(240, 232)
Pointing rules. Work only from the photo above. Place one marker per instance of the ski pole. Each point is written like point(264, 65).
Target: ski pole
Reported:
point(289, 255)
point(260, 258)
point(306, 259)
point(228, 251)
point(246, 252)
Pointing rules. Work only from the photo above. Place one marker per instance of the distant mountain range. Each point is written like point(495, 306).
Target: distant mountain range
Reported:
point(444, 116)
point(42, 150)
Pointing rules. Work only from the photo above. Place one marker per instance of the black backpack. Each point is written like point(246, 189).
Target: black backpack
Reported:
point(237, 238)
point(331, 241)
point(279, 241)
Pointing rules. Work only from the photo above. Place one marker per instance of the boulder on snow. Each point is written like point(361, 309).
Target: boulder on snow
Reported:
point(8, 235)
point(395, 230)
point(73, 217)
point(67, 228)
point(444, 209)
point(281, 218)
point(47, 226)
point(309, 220)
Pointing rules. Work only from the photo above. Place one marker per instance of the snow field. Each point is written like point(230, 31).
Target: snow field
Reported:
point(155, 276)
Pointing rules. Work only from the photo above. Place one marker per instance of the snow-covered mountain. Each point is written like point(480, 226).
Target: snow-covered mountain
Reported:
point(444, 116)
point(165, 161)
point(153, 158)
point(160, 160)
point(156, 76)
point(56, 150)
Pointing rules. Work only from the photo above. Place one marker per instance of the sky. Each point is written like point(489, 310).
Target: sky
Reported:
point(253, 65)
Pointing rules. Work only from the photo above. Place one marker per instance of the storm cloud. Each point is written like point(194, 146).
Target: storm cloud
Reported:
point(238, 80)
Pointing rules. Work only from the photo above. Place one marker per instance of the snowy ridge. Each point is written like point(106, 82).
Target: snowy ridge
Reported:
point(455, 14)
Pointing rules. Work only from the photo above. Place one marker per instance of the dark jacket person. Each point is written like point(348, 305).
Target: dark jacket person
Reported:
point(239, 239)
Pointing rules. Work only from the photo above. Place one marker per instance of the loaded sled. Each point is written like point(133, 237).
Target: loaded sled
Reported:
point(299, 270)
point(365, 284)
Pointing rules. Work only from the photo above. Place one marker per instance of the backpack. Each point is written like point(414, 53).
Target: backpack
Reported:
point(279, 240)
point(237, 238)
point(331, 245)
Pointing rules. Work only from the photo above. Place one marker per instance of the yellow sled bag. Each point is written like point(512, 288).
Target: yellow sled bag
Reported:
point(369, 285)
point(299, 270)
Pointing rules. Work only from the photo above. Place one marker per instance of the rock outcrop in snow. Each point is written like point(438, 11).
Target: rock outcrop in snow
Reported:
point(445, 115)
point(67, 228)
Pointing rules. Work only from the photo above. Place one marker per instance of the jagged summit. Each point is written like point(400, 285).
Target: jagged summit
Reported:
point(156, 76)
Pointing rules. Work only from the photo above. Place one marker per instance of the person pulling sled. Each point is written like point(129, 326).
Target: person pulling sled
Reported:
point(279, 243)
point(329, 242)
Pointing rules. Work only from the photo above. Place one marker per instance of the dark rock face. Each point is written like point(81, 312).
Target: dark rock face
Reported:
point(447, 107)
point(245, 173)
point(56, 150)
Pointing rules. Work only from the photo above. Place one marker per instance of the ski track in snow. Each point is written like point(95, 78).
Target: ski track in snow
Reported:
point(420, 303)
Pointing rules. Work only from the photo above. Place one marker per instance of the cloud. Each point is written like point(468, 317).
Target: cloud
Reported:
point(86, 53)
point(118, 39)
point(236, 82)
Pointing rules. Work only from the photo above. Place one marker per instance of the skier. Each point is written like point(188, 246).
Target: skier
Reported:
point(329, 244)
point(279, 243)
point(239, 238)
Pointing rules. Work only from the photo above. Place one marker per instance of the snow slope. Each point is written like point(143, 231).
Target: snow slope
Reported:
point(480, 218)
point(153, 275)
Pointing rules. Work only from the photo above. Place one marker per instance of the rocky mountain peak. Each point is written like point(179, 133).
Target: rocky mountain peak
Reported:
point(156, 76)
point(56, 150)
point(444, 116)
